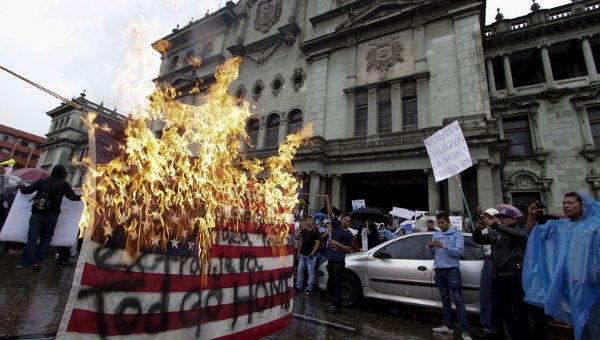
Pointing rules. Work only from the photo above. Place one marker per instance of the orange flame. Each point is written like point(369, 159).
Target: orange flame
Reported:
point(159, 192)
point(162, 46)
point(194, 61)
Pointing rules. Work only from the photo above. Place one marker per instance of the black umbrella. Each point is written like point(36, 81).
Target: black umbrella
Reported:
point(369, 213)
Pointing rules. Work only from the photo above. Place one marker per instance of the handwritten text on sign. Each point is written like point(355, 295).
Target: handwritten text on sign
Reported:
point(448, 152)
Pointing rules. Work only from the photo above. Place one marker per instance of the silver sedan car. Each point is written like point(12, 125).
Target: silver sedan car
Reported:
point(401, 270)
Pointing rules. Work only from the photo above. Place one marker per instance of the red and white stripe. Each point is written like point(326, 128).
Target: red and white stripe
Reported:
point(109, 299)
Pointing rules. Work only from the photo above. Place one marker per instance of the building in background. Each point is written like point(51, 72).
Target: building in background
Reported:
point(67, 138)
point(377, 77)
point(544, 87)
point(21, 146)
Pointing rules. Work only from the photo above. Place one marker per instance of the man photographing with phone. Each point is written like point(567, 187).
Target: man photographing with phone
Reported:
point(448, 245)
point(561, 273)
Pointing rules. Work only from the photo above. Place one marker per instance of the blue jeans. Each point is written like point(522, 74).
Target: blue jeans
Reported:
point(448, 281)
point(304, 262)
point(485, 296)
point(42, 227)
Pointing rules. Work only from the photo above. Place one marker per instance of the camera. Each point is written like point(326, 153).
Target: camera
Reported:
point(480, 216)
point(540, 205)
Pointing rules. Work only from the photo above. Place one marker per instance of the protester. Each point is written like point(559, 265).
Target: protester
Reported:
point(340, 243)
point(44, 214)
point(562, 264)
point(367, 236)
point(322, 253)
point(508, 240)
point(485, 278)
point(309, 242)
point(447, 246)
point(430, 225)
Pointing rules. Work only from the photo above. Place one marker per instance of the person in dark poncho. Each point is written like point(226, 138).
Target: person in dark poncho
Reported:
point(561, 272)
point(44, 214)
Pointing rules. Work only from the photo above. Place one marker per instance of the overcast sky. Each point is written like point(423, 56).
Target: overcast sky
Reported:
point(71, 45)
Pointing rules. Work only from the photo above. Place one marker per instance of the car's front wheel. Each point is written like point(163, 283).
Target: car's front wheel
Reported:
point(351, 290)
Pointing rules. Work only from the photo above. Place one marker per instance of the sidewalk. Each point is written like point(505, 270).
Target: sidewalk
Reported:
point(32, 302)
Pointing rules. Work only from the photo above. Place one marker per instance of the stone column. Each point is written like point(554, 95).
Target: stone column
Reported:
point(350, 114)
point(423, 119)
point(547, 67)
point(315, 185)
point(455, 201)
point(510, 89)
point(282, 131)
point(260, 142)
point(497, 184)
point(372, 111)
point(433, 192)
point(336, 190)
point(485, 190)
point(396, 94)
point(293, 9)
point(351, 75)
point(420, 60)
point(590, 64)
point(491, 78)
point(316, 96)
point(241, 29)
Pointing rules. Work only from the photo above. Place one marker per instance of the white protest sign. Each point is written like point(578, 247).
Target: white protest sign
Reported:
point(456, 222)
point(448, 152)
point(357, 204)
point(16, 225)
point(401, 212)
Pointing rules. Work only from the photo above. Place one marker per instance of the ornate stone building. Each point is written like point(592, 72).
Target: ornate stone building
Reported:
point(542, 73)
point(377, 77)
point(67, 137)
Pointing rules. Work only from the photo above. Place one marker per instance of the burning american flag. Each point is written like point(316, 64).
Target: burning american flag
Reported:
point(182, 237)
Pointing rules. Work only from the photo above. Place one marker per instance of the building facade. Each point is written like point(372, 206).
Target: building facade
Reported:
point(21, 146)
point(544, 86)
point(375, 78)
point(67, 138)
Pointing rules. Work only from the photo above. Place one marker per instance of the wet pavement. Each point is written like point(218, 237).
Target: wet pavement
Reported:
point(32, 302)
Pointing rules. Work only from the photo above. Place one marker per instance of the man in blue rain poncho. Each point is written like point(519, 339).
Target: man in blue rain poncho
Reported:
point(561, 272)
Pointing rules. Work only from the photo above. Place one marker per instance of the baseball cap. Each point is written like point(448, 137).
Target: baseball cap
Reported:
point(508, 213)
point(491, 211)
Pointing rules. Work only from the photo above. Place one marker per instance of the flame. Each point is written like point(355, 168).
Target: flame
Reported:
point(159, 193)
point(194, 61)
point(162, 46)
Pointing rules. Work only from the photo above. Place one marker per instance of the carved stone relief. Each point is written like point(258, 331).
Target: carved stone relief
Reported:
point(383, 54)
point(277, 84)
point(267, 14)
point(240, 93)
point(258, 89)
point(298, 78)
point(524, 181)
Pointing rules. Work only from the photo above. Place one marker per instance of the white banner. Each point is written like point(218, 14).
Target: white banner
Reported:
point(17, 222)
point(357, 204)
point(456, 222)
point(401, 212)
point(448, 152)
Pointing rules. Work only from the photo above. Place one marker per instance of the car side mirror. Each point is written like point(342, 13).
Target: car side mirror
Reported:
point(382, 255)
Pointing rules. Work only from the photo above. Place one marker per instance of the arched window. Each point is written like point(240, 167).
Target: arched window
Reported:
point(272, 139)
point(294, 121)
point(252, 128)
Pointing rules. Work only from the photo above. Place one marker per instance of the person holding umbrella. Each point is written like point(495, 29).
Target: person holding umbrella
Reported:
point(44, 214)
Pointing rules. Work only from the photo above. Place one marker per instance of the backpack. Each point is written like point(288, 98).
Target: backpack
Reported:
point(41, 200)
